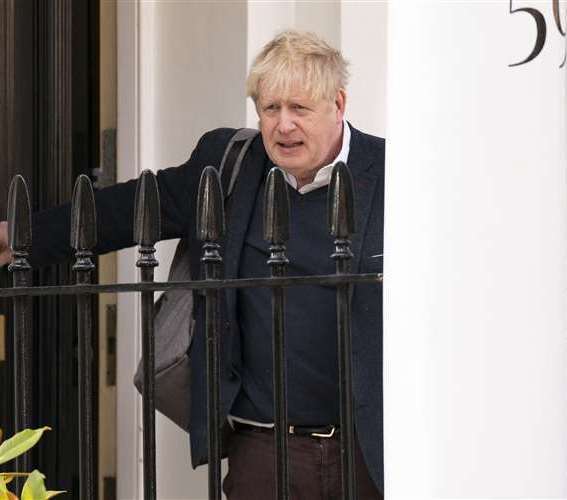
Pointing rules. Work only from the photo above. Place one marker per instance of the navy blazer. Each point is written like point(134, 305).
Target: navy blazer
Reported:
point(178, 196)
point(366, 161)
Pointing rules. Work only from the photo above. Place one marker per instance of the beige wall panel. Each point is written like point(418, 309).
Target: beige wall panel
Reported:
point(106, 264)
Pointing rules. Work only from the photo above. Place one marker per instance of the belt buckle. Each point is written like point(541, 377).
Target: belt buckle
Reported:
point(325, 435)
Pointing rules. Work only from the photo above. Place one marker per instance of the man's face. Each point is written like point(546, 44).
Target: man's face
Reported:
point(300, 134)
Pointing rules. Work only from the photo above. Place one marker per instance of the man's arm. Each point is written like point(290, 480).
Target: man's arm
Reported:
point(5, 252)
point(115, 209)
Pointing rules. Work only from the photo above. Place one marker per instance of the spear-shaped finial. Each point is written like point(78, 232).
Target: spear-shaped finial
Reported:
point(341, 202)
point(83, 224)
point(210, 207)
point(276, 208)
point(83, 215)
point(19, 218)
point(147, 221)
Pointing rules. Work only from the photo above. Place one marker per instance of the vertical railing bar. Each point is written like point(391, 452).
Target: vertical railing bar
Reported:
point(341, 225)
point(210, 228)
point(345, 376)
point(148, 396)
point(19, 230)
point(83, 240)
point(147, 228)
point(213, 383)
point(276, 231)
point(280, 386)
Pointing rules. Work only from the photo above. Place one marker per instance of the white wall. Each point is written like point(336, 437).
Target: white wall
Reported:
point(182, 68)
point(475, 255)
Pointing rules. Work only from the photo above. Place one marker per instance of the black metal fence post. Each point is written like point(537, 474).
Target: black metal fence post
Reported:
point(147, 229)
point(83, 240)
point(276, 231)
point(20, 237)
point(341, 226)
point(210, 229)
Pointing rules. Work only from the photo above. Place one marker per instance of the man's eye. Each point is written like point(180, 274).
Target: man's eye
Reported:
point(270, 107)
point(298, 108)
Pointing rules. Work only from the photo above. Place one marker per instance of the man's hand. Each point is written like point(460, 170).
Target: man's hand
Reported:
point(5, 252)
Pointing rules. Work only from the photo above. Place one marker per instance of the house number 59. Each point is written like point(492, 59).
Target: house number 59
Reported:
point(541, 26)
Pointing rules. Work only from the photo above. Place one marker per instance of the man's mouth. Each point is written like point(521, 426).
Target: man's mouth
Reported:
point(289, 144)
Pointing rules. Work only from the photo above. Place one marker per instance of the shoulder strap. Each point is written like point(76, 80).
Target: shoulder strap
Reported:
point(233, 156)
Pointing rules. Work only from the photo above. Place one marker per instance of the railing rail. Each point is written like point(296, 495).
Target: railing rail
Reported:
point(210, 230)
point(156, 286)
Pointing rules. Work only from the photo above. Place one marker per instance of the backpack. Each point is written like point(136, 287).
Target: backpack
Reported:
point(173, 320)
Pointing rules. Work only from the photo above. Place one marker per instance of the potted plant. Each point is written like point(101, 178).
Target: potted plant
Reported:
point(34, 487)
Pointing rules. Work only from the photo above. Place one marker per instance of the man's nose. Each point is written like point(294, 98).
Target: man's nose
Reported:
point(286, 122)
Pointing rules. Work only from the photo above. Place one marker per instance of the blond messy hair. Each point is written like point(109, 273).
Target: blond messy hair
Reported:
point(302, 59)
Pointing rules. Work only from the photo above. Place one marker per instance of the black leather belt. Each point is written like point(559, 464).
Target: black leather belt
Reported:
point(321, 431)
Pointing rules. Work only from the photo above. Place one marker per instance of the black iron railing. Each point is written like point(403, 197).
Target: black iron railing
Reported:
point(210, 228)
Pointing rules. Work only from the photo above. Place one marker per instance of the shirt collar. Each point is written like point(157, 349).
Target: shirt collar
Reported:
point(323, 175)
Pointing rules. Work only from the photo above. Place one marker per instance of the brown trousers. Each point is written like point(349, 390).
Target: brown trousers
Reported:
point(314, 468)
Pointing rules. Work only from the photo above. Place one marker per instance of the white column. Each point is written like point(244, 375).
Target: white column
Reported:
point(363, 41)
point(475, 254)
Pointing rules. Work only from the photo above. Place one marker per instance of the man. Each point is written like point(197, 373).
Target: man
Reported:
point(298, 84)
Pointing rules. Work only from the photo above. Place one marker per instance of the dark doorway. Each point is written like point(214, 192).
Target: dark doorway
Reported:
point(49, 90)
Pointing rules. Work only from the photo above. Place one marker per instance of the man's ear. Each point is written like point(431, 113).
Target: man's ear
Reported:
point(340, 103)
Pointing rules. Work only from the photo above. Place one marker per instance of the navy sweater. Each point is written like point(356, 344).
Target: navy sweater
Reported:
point(310, 320)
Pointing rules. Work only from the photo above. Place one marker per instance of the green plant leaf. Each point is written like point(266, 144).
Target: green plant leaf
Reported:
point(3, 489)
point(34, 488)
point(4, 493)
point(51, 494)
point(20, 443)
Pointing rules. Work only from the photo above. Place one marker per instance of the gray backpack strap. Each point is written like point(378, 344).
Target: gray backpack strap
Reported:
point(233, 156)
point(173, 322)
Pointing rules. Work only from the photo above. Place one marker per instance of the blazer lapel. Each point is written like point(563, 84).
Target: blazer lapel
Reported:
point(242, 202)
point(361, 163)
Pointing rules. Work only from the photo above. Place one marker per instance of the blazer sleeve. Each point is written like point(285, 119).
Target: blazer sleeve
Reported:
point(115, 207)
